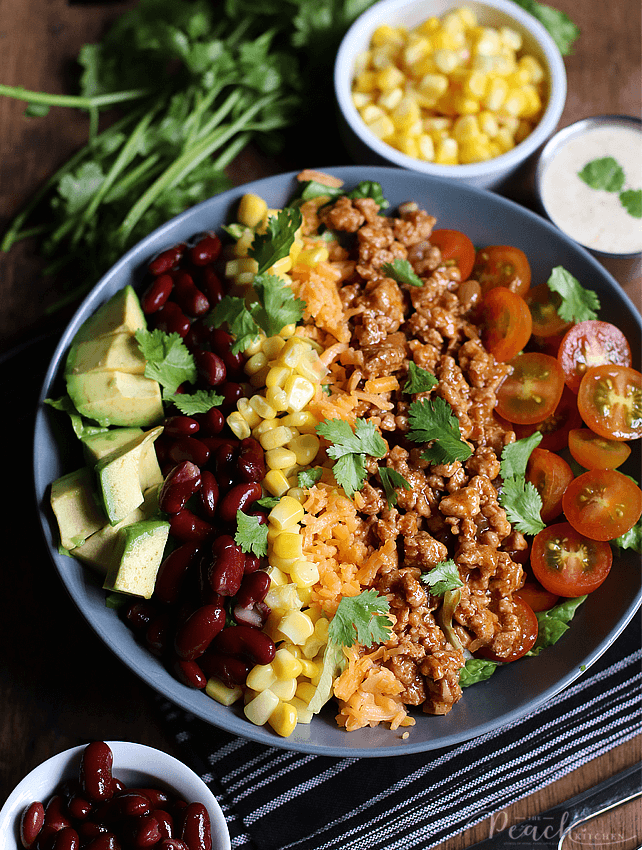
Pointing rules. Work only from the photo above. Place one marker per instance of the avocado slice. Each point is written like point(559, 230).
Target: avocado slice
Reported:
point(121, 314)
point(118, 476)
point(138, 556)
point(99, 550)
point(77, 511)
point(98, 446)
point(116, 398)
point(116, 351)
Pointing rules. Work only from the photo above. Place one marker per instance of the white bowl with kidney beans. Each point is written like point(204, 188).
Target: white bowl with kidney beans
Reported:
point(138, 642)
point(110, 794)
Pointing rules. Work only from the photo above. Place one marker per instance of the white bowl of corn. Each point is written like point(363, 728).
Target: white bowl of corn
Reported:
point(466, 92)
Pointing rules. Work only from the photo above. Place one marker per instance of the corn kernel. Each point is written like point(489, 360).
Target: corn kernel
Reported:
point(510, 38)
point(278, 577)
point(241, 265)
point(264, 426)
point(257, 380)
point(251, 209)
point(238, 425)
point(283, 719)
point(426, 147)
point(274, 439)
point(534, 68)
point(365, 82)
point(222, 693)
point(286, 665)
point(313, 256)
point(288, 512)
point(305, 448)
point(385, 34)
point(475, 150)
point(276, 483)
point(288, 545)
point(495, 94)
point(390, 78)
point(292, 351)
point(284, 689)
point(533, 102)
point(276, 398)
point(280, 458)
point(406, 113)
point(244, 243)
point(446, 152)
point(261, 407)
point(505, 139)
point(524, 129)
point(407, 144)
point(311, 668)
point(248, 412)
point(278, 375)
point(466, 128)
point(303, 420)
point(303, 713)
point(284, 564)
point(305, 691)
point(312, 645)
point(297, 627)
point(255, 363)
point(360, 99)
point(488, 123)
point(287, 330)
point(304, 573)
point(283, 598)
point(260, 677)
point(299, 392)
point(260, 709)
point(311, 367)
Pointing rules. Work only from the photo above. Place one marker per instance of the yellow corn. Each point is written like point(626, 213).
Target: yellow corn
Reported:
point(255, 363)
point(284, 689)
point(310, 668)
point(260, 708)
point(304, 573)
point(288, 545)
point(276, 398)
point(305, 448)
point(303, 713)
point(280, 458)
point(274, 438)
point(252, 209)
point(276, 483)
point(299, 392)
point(288, 512)
point(238, 425)
point(305, 691)
point(260, 677)
point(283, 598)
point(304, 421)
point(283, 719)
point(222, 693)
point(286, 665)
point(262, 408)
point(297, 627)
point(248, 412)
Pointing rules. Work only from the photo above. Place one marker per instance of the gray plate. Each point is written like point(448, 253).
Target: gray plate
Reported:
point(515, 689)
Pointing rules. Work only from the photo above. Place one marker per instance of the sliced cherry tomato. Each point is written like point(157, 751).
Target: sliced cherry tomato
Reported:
point(592, 451)
point(610, 401)
point(537, 596)
point(567, 563)
point(543, 304)
point(602, 504)
point(529, 628)
point(505, 322)
point(502, 265)
point(556, 427)
point(533, 389)
point(591, 343)
point(550, 474)
point(456, 250)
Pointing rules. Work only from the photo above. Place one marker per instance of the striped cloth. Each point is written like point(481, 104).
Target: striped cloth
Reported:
point(276, 799)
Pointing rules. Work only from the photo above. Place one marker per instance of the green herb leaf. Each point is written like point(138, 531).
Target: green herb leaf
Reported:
point(632, 539)
point(631, 200)
point(277, 240)
point(251, 534)
point(308, 477)
point(392, 479)
point(561, 28)
point(370, 189)
point(349, 449)
point(277, 305)
point(233, 312)
point(402, 272)
point(361, 618)
point(443, 577)
point(554, 623)
point(168, 360)
point(199, 402)
point(578, 304)
point(268, 502)
point(476, 670)
point(523, 505)
point(432, 420)
point(419, 380)
point(604, 173)
point(515, 456)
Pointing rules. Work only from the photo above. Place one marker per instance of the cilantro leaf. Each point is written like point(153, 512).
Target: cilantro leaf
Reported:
point(631, 200)
point(349, 449)
point(401, 272)
point(277, 240)
point(632, 539)
point(553, 623)
point(308, 477)
point(277, 305)
point(361, 618)
point(432, 420)
point(443, 577)
point(268, 502)
point(604, 173)
point(198, 402)
point(370, 189)
point(233, 311)
point(419, 380)
point(522, 504)
point(515, 455)
point(168, 360)
point(578, 304)
point(476, 670)
point(363, 189)
point(561, 28)
point(251, 535)
point(391, 479)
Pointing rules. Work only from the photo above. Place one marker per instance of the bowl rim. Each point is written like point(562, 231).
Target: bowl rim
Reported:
point(557, 142)
point(136, 757)
point(342, 78)
point(128, 264)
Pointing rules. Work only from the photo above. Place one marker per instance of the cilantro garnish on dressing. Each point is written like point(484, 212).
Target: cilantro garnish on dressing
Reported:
point(349, 449)
point(606, 174)
point(433, 421)
point(519, 497)
point(578, 304)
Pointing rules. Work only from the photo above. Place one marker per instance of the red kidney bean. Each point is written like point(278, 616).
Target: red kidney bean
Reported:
point(156, 294)
point(246, 642)
point(225, 565)
point(191, 449)
point(234, 365)
point(166, 260)
point(143, 831)
point(172, 571)
point(171, 319)
point(254, 615)
point(162, 445)
point(180, 426)
point(188, 296)
point(197, 831)
point(252, 563)
point(197, 632)
point(220, 341)
point(31, 823)
point(89, 830)
point(55, 814)
point(130, 804)
point(240, 497)
point(211, 368)
point(251, 460)
point(188, 527)
point(189, 673)
point(95, 771)
point(172, 844)
point(66, 839)
point(231, 392)
point(209, 494)
point(212, 286)
point(254, 588)
point(139, 614)
point(206, 250)
point(230, 670)
point(181, 482)
point(159, 633)
point(165, 822)
point(213, 421)
point(108, 841)
point(78, 807)
point(225, 464)
point(159, 799)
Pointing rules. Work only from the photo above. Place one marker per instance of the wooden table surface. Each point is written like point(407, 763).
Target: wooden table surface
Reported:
point(59, 686)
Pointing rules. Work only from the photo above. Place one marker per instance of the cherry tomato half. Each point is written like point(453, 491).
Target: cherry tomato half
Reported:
point(528, 630)
point(588, 344)
point(592, 451)
point(556, 427)
point(610, 401)
point(533, 389)
point(456, 250)
point(505, 322)
point(502, 265)
point(550, 474)
point(602, 504)
point(543, 304)
point(535, 595)
point(567, 563)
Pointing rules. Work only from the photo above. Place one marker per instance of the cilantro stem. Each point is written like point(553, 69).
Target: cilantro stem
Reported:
point(98, 101)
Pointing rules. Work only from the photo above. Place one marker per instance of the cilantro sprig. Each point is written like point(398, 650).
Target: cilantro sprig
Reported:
point(578, 304)
point(443, 577)
point(197, 402)
point(433, 421)
point(251, 535)
point(274, 244)
point(349, 449)
point(168, 359)
point(519, 497)
point(361, 619)
point(402, 272)
point(419, 380)
point(561, 28)
point(606, 174)
point(363, 189)
point(391, 480)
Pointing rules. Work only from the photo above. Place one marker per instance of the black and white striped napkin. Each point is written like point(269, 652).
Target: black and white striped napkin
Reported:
point(276, 799)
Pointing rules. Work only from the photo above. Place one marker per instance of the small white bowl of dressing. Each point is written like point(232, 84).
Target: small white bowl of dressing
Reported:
point(588, 180)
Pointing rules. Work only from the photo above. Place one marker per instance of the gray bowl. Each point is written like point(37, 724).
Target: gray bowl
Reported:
point(515, 689)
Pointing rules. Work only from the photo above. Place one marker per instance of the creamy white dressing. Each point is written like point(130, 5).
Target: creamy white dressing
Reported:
point(594, 217)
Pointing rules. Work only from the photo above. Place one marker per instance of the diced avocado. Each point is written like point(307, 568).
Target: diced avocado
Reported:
point(99, 550)
point(116, 398)
point(116, 351)
point(119, 478)
point(98, 446)
point(78, 513)
point(138, 556)
point(121, 314)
